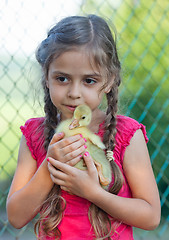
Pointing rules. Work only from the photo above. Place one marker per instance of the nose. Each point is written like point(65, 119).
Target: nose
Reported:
point(74, 91)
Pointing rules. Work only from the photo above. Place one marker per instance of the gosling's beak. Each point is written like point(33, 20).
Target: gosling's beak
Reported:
point(74, 124)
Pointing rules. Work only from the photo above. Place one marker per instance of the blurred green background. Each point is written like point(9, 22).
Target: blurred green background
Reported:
point(143, 45)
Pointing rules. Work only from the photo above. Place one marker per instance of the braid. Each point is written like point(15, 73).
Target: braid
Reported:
point(110, 132)
point(51, 120)
point(53, 207)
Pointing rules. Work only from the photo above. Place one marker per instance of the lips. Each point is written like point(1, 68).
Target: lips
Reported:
point(71, 107)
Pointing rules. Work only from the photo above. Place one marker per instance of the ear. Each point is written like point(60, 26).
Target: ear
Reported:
point(107, 89)
point(110, 84)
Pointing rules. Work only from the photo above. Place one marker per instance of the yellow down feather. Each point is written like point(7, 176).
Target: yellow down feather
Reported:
point(78, 125)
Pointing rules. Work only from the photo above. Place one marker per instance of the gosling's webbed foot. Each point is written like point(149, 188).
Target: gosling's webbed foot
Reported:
point(103, 180)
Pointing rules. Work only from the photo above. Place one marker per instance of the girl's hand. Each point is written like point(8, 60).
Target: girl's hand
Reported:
point(67, 150)
point(73, 180)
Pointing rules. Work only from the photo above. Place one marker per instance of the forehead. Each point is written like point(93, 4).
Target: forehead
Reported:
point(76, 60)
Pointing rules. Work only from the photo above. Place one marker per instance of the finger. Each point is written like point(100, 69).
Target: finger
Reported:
point(69, 140)
point(65, 168)
point(74, 161)
point(57, 181)
point(65, 189)
point(55, 172)
point(56, 137)
point(74, 152)
point(89, 162)
point(74, 145)
point(57, 176)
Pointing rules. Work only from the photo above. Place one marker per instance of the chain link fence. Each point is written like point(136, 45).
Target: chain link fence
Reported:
point(143, 44)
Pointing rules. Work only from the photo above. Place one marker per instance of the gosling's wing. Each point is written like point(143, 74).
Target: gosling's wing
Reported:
point(96, 140)
point(99, 156)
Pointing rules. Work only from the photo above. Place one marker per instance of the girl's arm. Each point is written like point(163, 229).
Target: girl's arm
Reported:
point(30, 186)
point(142, 211)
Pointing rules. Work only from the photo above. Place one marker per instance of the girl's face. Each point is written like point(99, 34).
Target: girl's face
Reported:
point(72, 81)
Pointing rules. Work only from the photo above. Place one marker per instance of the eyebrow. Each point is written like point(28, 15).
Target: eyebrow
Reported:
point(69, 75)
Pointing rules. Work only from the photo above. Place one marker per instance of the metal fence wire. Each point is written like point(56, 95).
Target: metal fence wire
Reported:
point(143, 44)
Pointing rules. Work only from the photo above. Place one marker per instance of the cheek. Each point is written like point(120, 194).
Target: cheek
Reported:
point(94, 97)
point(56, 95)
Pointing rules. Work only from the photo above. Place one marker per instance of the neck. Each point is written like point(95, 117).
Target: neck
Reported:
point(97, 117)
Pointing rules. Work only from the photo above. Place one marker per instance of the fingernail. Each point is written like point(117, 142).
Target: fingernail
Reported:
point(60, 133)
point(80, 156)
point(85, 146)
point(86, 154)
point(85, 139)
point(81, 135)
point(47, 159)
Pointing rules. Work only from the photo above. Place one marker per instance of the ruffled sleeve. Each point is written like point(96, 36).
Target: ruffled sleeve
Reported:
point(126, 128)
point(33, 133)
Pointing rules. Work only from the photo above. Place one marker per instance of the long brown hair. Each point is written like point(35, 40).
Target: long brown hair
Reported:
point(93, 33)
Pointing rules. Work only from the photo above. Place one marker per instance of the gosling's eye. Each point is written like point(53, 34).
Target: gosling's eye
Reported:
point(83, 117)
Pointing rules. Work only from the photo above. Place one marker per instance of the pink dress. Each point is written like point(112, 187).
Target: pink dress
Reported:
point(75, 224)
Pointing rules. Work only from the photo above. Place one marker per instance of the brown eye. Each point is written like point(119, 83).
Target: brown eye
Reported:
point(62, 79)
point(90, 81)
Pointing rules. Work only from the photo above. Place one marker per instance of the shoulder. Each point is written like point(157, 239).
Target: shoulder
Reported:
point(126, 128)
point(126, 122)
point(33, 126)
point(33, 132)
point(33, 123)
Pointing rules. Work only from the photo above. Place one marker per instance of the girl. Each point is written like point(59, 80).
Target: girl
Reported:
point(80, 64)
